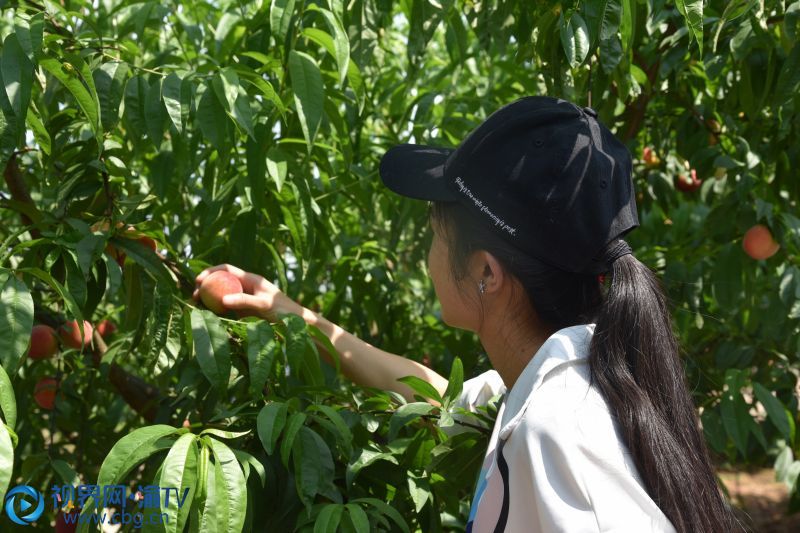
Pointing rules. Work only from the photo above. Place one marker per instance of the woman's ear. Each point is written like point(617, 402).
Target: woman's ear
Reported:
point(489, 269)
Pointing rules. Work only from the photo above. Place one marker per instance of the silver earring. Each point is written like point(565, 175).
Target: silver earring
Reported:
point(482, 286)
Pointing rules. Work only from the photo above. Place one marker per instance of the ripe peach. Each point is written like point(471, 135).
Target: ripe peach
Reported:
point(44, 393)
point(118, 255)
point(64, 525)
point(215, 286)
point(687, 184)
point(130, 232)
point(650, 158)
point(758, 242)
point(149, 242)
point(43, 342)
point(106, 328)
point(70, 334)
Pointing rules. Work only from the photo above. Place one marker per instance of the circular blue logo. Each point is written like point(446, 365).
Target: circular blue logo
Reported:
point(28, 510)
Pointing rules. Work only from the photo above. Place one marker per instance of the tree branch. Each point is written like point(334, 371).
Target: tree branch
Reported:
point(140, 395)
point(19, 191)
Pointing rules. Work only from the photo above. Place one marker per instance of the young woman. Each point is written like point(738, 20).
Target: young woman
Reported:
point(596, 431)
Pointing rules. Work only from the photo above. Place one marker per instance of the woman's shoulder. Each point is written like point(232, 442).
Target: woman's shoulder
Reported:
point(480, 389)
point(572, 415)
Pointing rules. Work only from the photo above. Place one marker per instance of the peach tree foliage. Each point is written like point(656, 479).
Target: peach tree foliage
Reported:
point(250, 133)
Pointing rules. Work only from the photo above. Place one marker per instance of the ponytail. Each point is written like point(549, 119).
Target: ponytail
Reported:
point(635, 362)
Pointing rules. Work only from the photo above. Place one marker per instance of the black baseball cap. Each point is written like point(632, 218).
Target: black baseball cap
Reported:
point(545, 174)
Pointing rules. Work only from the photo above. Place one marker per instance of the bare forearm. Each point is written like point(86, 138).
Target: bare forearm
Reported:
point(369, 366)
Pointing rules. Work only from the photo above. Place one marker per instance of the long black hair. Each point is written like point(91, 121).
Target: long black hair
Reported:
point(634, 360)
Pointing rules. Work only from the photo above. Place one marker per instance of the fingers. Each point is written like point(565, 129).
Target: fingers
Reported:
point(236, 271)
point(251, 283)
point(246, 304)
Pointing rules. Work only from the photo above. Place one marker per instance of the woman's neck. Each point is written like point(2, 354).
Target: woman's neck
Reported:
point(510, 348)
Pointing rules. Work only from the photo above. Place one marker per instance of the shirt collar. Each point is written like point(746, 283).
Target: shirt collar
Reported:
point(563, 346)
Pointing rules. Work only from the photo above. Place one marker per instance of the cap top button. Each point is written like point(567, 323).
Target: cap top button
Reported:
point(589, 111)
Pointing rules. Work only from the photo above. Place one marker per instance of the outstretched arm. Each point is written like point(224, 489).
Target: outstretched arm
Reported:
point(360, 362)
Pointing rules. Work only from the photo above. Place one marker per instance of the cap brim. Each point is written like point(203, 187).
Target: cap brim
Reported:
point(416, 171)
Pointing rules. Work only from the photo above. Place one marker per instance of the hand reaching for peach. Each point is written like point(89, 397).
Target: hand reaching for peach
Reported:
point(228, 288)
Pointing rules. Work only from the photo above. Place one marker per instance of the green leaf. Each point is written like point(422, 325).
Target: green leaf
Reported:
point(313, 464)
point(575, 39)
point(215, 509)
point(16, 323)
point(109, 79)
point(343, 433)
point(213, 120)
point(231, 481)
point(627, 26)
point(733, 10)
point(734, 410)
point(692, 11)
point(341, 43)
point(29, 33)
point(8, 403)
point(173, 95)
point(135, 97)
point(76, 283)
point(328, 518)
point(726, 280)
point(132, 449)
point(356, 81)
point(234, 99)
point(243, 115)
point(778, 414)
point(405, 414)
point(365, 457)
point(40, 133)
point(247, 460)
point(280, 16)
point(789, 77)
point(70, 78)
point(226, 87)
point(455, 383)
point(155, 115)
point(308, 92)
point(124, 456)
point(264, 87)
point(385, 509)
point(224, 434)
point(67, 474)
point(610, 53)
point(144, 256)
point(603, 18)
point(422, 387)
point(261, 350)
point(358, 517)
point(296, 422)
point(270, 422)
point(277, 166)
point(179, 471)
point(211, 347)
point(17, 72)
point(420, 490)
point(296, 340)
point(72, 307)
point(6, 460)
point(791, 21)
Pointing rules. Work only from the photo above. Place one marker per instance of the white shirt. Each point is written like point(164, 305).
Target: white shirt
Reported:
point(556, 460)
